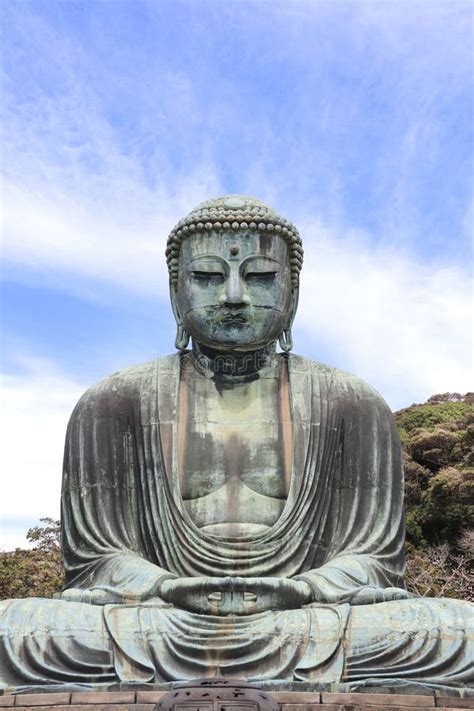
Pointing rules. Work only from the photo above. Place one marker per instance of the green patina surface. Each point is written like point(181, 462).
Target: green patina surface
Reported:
point(230, 510)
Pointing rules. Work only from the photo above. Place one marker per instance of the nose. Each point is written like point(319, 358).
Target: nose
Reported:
point(234, 291)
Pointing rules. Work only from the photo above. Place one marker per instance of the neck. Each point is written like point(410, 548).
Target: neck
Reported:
point(232, 365)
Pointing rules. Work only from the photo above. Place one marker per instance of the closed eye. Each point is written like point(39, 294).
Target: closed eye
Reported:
point(208, 276)
point(260, 277)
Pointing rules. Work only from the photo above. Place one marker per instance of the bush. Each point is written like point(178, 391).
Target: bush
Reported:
point(438, 439)
point(437, 572)
point(429, 415)
point(37, 572)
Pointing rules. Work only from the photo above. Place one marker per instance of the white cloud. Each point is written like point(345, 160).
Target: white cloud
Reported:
point(36, 404)
point(76, 196)
point(86, 208)
point(60, 237)
point(402, 324)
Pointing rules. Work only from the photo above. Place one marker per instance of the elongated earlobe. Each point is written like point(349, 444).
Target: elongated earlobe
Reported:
point(286, 340)
point(182, 338)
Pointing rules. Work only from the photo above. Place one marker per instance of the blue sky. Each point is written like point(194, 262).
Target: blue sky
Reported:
point(354, 119)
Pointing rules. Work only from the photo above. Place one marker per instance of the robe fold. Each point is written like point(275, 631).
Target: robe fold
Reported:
point(124, 525)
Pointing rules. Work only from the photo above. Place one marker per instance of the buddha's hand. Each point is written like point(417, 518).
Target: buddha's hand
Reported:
point(235, 596)
point(368, 595)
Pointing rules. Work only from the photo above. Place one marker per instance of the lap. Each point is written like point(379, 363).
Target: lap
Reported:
point(397, 615)
point(46, 641)
point(45, 615)
point(412, 614)
point(422, 639)
point(316, 643)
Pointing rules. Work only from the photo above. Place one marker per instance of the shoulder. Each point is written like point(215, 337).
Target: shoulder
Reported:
point(118, 391)
point(336, 383)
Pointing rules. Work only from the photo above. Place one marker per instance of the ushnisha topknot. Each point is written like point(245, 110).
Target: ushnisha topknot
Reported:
point(236, 212)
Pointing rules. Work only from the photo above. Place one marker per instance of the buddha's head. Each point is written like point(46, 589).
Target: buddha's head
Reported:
point(234, 267)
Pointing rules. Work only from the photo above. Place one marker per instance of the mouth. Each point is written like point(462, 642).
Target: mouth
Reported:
point(236, 319)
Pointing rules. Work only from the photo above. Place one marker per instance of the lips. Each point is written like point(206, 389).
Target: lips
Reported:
point(234, 319)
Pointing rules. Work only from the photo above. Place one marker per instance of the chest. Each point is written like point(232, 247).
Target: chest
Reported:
point(234, 439)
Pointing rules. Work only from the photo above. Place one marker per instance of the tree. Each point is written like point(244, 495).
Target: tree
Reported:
point(35, 572)
point(438, 439)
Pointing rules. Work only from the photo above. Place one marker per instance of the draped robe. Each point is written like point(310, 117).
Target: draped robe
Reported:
point(125, 524)
point(125, 528)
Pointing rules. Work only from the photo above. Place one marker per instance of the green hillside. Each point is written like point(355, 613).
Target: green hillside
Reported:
point(438, 443)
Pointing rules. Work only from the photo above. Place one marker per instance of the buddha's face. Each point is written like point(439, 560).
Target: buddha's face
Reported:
point(234, 289)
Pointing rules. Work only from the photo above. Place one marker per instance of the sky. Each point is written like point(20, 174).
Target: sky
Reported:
point(352, 119)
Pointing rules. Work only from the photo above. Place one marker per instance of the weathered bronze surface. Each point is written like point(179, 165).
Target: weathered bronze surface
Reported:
point(231, 510)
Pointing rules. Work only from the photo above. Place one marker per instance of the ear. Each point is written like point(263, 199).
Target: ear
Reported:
point(285, 339)
point(174, 303)
point(182, 336)
point(294, 306)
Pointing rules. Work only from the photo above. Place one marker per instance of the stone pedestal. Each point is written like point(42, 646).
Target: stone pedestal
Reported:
point(147, 700)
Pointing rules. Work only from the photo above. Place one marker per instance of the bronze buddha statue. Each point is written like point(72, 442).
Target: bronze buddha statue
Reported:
point(233, 510)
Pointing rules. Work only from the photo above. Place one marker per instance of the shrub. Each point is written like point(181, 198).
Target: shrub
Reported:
point(35, 572)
